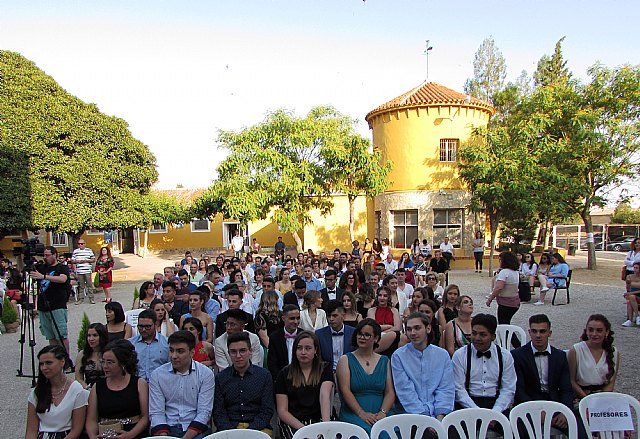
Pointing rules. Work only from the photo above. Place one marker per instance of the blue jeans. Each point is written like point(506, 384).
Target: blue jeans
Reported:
point(177, 431)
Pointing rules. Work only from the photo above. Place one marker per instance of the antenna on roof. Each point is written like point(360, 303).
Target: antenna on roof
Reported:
point(426, 52)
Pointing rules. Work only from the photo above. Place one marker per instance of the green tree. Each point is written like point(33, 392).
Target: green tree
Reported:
point(356, 170)
point(552, 68)
point(72, 167)
point(84, 329)
point(625, 214)
point(489, 72)
point(277, 168)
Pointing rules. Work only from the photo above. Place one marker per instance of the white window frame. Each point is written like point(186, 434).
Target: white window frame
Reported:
point(404, 225)
point(94, 232)
point(201, 231)
point(449, 150)
point(449, 226)
point(65, 242)
point(163, 229)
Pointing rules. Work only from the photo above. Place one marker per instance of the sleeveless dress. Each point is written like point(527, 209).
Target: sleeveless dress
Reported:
point(200, 353)
point(368, 390)
point(589, 374)
point(119, 404)
point(92, 372)
point(119, 335)
point(204, 328)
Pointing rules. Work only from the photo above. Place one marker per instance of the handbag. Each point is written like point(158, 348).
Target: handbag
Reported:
point(96, 280)
point(109, 428)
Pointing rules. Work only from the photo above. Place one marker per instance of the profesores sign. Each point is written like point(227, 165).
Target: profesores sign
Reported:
point(609, 414)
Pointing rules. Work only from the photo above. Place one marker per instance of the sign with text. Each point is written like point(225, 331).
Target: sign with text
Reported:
point(609, 413)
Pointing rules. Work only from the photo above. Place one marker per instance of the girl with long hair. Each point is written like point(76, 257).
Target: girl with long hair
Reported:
point(376, 247)
point(349, 282)
point(104, 266)
point(594, 361)
point(88, 366)
point(284, 284)
point(119, 402)
point(164, 324)
point(196, 309)
point(351, 314)
point(457, 333)
point(416, 298)
point(406, 262)
point(448, 311)
point(388, 318)
point(117, 328)
point(203, 352)
point(478, 250)
point(268, 317)
point(303, 388)
point(396, 300)
point(415, 250)
point(385, 249)
point(366, 298)
point(557, 276)
point(57, 406)
point(529, 269)
point(147, 295)
point(312, 316)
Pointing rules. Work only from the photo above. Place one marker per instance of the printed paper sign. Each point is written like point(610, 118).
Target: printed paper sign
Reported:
point(609, 414)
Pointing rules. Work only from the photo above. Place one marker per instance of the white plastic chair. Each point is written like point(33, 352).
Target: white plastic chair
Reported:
point(476, 421)
point(163, 437)
point(530, 415)
point(584, 404)
point(405, 423)
point(131, 317)
point(239, 433)
point(504, 334)
point(330, 430)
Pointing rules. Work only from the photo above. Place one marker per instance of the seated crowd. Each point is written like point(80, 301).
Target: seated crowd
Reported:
point(227, 346)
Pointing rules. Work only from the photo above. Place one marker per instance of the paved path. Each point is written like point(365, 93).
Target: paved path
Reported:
point(599, 291)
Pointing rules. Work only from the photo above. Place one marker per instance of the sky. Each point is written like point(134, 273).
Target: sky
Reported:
point(180, 71)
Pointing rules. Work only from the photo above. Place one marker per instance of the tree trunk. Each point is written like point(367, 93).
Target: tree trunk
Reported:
point(493, 226)
point(351, 217)
point(146, 242)
point(591, 248)
point(298, 241)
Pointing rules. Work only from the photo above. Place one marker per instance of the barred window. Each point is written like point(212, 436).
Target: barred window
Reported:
point(448, 150)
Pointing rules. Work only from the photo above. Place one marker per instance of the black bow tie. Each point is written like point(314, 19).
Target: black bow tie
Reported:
point(484, 354)
point(337, 334)
point(537, 354)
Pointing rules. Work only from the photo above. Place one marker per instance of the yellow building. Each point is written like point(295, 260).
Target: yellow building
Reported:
point(421, 131)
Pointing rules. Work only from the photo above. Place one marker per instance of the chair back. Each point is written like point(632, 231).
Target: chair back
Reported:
point(131, 317)
point(504, 334)
point(528, 417)
point(569, 278)
point(331, 430)
point(584, 408)
point(405, 424)
point(473, 423)
point(239, 433)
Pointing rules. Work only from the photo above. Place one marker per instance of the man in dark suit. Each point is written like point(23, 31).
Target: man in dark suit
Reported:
point(543, 372)
point(331, 292)
point(234, 301)
point(281, 341)
point(335, 339)
point(176, 308)
point(296, 296)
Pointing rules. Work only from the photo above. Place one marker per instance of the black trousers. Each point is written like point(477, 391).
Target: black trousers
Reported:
point(478, 257)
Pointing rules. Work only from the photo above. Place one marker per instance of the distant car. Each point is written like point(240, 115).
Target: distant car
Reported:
point(597, 240)
point(620, 244)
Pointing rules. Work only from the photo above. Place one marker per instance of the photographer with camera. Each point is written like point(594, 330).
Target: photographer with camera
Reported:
point(53, 279)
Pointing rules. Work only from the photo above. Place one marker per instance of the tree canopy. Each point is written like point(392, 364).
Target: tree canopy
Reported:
point(65, 166)
point(489, 72)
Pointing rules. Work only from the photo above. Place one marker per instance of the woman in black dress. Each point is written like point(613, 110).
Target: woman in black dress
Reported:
point(88, 367)
point(120, 401)
point(117, 328)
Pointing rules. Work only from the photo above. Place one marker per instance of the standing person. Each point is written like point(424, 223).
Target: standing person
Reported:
point(83, 257)
point(244, 391)
point(57, 406)
point(303, 388)
point(88, 361)
point(335, 339)
point(594, 361)
point(151, 347)
point(431, 393)
point(505, 289)
point(53, 280)
point(556, 277)
point(446, 248)
point(364, 379)
point(237, 244)
point(478, 250)
point(104, 266)
point(279, 247)
point(117, 328)
point(181, 392)
point(121, 396)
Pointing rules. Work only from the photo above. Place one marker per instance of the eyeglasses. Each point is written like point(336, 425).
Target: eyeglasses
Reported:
point(365, 335)
point(145, 326)
point(235, 353)
point(81, 243)
point(431, 278)
point(108, 362)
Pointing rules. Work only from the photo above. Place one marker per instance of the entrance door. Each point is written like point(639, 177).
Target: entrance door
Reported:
point(127, 241)
point(229, 229)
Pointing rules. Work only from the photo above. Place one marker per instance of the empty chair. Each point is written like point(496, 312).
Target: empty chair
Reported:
point(504, 334)
point(239, 433)
point(584, 405)
point(473, 423)
point(528, 417)
point(331, 430)
point(404, 424)
point(131, 317)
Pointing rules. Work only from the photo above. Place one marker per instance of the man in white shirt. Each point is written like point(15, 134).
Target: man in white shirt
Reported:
point(83, 257)
point(235, 323)
point(390, 265)
point(447, 250)
point(484, 373)
point(404, 287)
point(237, 243)
point(424, 248)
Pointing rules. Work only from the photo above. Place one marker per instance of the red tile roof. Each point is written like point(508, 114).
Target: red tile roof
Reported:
point(430, 94)
point(181, 195)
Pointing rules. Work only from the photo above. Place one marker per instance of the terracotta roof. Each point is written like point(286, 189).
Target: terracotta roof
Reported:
point(430, 94)
point(181, 195)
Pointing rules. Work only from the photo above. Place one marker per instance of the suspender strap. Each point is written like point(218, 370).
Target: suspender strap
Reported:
point(467, 379)
point(500, 370)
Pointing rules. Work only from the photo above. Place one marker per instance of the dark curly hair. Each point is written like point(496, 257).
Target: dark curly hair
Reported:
point(377, 331)
point(126, 355)
point(117, 309)
point(607, 343)
point(103, 335)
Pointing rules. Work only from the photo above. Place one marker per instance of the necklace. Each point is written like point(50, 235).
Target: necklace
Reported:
point(64, 387)
point(366, 361)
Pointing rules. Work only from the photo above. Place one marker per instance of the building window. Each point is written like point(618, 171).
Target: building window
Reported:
point(158, 228)
point(200, 225)
point(94, 232)
point(378, 224)
point(448, 150)
point(447, 222)
point(405, 228)
point(59, 239)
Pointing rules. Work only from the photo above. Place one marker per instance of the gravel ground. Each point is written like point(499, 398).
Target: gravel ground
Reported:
point(591, 291)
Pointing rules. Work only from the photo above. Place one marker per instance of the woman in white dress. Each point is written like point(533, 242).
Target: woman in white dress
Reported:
point(57, 406)
point(312, 316)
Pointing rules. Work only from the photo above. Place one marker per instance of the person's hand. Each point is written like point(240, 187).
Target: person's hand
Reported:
point(380, 415)
point(489, 300)
point(559, 420)
point(367, 417)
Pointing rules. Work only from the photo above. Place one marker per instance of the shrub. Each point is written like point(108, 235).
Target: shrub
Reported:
point(9, 314)
point(84, 328)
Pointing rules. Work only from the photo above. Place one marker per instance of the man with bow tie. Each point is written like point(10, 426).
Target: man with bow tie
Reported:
point(543, 372)
point(484, 372)
point(331, 292)
point(335, 339)
point(281, 341)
